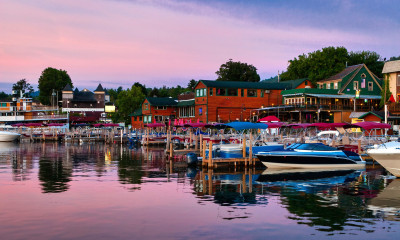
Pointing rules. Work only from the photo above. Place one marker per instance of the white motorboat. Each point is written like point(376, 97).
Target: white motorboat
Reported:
point(8, 136)
point(387, 155)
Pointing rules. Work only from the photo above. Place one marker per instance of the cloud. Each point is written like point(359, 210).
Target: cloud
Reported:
point(153, 42)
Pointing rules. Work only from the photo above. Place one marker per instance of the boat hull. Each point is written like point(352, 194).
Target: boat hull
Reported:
point(8, 136)
point(390, 161)
point(286, 160)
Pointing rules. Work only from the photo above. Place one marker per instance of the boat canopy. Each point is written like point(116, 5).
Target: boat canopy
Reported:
point(246, 125)
point(368, 125)
point(269, 119)
point(154, 125)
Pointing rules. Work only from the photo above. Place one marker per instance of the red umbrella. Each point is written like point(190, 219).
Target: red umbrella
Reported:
point(269, 119)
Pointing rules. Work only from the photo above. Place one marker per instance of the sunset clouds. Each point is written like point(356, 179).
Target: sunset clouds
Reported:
point(170, 42)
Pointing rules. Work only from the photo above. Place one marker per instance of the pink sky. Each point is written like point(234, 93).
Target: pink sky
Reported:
point(156, 43)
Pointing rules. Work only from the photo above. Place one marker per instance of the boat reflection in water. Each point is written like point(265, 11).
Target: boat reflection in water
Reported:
point(387, 203)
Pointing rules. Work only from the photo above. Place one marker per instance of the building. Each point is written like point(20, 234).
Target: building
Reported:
point(84, 106)
point(354, 89)
point(391, 70)
point(21, 109)
point(226, 101)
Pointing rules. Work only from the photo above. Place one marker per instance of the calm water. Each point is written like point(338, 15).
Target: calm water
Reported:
point(93, 191)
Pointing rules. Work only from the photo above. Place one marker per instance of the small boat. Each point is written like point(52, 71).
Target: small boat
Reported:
point(311, 155)
point(8, 136)
point(387, 155)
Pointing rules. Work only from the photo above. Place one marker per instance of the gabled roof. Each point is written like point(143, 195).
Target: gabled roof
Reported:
point(391, 66)
point(99, 88)
point(343, 73)
point(162, 101)
point(67, 87)
point(186, 103)
point(354, 73)
point(379, 114)
point(137, 112)
point(76, 90)
point(295, 83)
point(245, 85)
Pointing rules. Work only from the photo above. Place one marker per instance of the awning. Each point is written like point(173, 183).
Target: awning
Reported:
point(344, 96)
point(246, 125)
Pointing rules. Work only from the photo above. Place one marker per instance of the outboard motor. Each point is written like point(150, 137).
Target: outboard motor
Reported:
point(192, 159)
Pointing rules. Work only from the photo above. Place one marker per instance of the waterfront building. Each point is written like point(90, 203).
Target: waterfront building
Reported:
point(22, 109)
point(85, 106)
point(354, 89)
point(391, 69)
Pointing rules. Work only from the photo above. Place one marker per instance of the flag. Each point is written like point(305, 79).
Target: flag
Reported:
point(391, 99)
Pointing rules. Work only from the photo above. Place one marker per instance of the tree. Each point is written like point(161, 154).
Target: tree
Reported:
point(23, 86)
point(394, 58)
point(317, 65)
point(128, 101)
point(371, 59)
point(4, 96)
point(191, 84)
point(237, 71)
point(385, 91)
point(52, 79)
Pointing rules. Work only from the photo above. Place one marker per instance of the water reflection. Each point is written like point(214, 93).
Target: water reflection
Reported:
point(323, 202)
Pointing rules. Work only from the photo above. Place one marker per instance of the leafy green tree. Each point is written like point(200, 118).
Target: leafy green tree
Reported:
point(385, 89)
point(52, 79)
point(317, 65)
point(4, 96)
point(142, 87)
point(191, 84)
point(394, 58)
point(237, 71)
point(371, 59)
point(128, 100)
point(114, 93)
point(23, 86)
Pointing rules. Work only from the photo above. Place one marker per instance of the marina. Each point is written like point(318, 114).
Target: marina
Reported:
point(115, 191)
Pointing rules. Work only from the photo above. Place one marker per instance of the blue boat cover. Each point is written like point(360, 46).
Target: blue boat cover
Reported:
point(246, 125)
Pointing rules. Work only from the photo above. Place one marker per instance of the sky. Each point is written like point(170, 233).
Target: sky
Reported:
point(169, 42)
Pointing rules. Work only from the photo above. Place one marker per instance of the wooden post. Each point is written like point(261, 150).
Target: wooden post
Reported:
point(171, 151)
point(244, 146)
point(333, 143)
point(201, 142)
point(190, 138)
point(204, 153)
point(196, 143)
point(251, 150)
point(210, 154)
point(359, 146)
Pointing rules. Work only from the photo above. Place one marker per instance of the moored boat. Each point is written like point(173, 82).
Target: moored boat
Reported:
point(8, 136)
point(387, 155)
point(311, 155)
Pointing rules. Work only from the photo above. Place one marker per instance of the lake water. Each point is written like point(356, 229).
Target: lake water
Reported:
point(97, 191)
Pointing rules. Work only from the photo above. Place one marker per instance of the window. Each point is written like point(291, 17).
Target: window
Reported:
point(398, 80)
point(221, 91)
point(204, 92)
point(200, 111)
point(321, 86)
point(252, 92)
point(370, 86)
point(328, 86)
point(355, 85)
point(146, 106)
point(335, 85)
point(242, 92)
point(198, 93)
point(161, 107)
point(262, 93)
point(211, 91)
point(232, 91)
point(149, 119)
point(306, 83)
point(140, 118)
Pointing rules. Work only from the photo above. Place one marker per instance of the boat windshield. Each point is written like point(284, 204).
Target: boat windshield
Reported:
point(311, 146)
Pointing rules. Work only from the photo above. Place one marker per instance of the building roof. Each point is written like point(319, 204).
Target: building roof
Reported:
point(137, 112)
point(67, 87)
point(186, 96)
point(379, 114)
point(99, 88)
point(83, 96)
point(391, 66)
point(186, 103)
point(246, 85)
point(309, 91)
point(343, 73)
point(295, 83)
point(356, 114)
point(162, 101)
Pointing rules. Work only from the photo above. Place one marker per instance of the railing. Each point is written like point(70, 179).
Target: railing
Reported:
point(324, 107)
